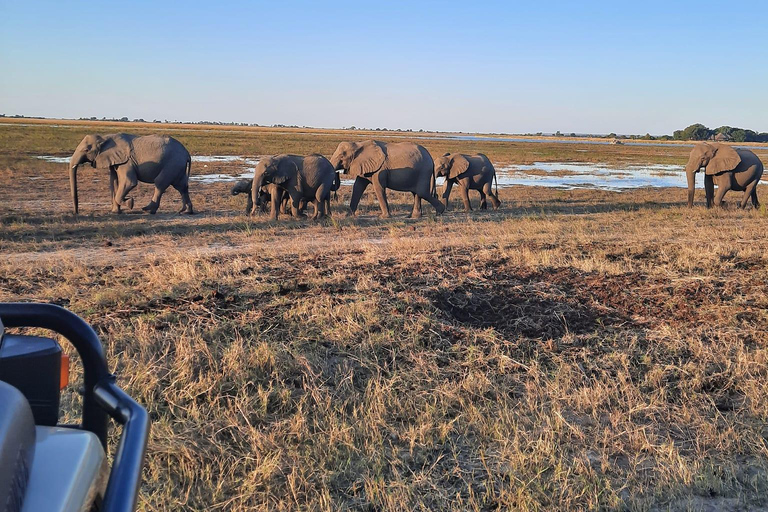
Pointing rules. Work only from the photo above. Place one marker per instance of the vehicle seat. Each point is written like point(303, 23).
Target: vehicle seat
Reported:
point(17, 447)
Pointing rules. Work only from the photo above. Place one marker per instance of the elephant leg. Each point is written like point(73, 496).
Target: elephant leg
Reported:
point(126, 181)
point(112, 185)
point(186, 203)
point(709, 189)
point(488, 190)
point(755, 202)
point(465, 198)
point(322, 197)
point(416, 212)
point(747, 194)
point(285, 204)
point(276, 196)
point(433, 200)
point(296, 209)
point(154, 204)
point(379, 186)
point(721, 190)
point(357, 193)
point(483, 200)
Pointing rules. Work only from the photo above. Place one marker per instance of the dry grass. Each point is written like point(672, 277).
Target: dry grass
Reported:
point(574, 350)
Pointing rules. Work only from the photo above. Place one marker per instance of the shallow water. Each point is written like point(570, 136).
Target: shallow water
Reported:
point(588, 175)
point(216, 178)
point(200, 158)
point(564, 175)
point(55, 159)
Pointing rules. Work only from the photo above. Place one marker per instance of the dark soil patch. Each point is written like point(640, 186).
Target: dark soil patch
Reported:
point(549, 303)
point(519, 306)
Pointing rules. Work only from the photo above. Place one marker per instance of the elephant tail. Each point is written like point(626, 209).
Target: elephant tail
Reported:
point(496, 183)
point(189, 166)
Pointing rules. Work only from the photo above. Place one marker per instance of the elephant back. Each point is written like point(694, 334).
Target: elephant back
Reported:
point(162, 149)
point(318, 169)
point(155, 144)
point(484, 161)
point(404, 155)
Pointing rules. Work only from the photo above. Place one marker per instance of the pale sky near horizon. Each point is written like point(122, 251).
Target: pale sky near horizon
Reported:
point(513, 67)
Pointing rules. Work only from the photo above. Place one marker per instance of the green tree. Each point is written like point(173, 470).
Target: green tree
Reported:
point(696, 132)
point(739, 135)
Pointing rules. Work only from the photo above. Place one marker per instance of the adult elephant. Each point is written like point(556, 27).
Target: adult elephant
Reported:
point(728, 168)
point(470, 172)
point(310, 178)
point(157, 159)
point(402, 166)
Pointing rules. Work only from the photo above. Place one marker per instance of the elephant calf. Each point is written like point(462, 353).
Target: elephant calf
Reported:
point(471, 172)
point(244, 187)
point(302, 178)
point(264, 198)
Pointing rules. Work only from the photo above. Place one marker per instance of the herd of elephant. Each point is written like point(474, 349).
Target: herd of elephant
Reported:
point(289, 182)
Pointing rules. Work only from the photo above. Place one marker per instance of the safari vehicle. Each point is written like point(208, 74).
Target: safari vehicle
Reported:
point(48, 467)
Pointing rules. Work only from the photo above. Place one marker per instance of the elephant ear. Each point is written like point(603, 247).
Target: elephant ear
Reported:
point(459, 165)
point(285, 169)
point(726, 159)
point(368, 159)
point(113, 150)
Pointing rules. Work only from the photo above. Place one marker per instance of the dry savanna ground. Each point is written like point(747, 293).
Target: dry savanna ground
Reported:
point(573, 350)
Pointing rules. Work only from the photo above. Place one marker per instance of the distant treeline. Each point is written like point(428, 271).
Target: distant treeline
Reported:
point(694, 132)
point(611, 135)
point(725, 133)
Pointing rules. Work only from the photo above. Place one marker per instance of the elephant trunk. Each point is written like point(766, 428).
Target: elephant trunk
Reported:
point(258, 182)
point(691, 186)
point(73, 163)
point(691, 168)
point(336, 162)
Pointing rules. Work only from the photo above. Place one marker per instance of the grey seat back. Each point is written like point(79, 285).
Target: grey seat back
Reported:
point(17, 447)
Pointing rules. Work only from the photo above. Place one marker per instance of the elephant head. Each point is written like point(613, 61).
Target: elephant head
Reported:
point(273, 169)
point(714, 157)
point(242, 187)
point(451, 165)
point(102, 152)
point(358, 159)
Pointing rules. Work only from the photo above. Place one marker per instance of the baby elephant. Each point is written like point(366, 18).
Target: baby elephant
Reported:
point(473, 172)
point(303, 177)
point(244, 187)
point(264, 199)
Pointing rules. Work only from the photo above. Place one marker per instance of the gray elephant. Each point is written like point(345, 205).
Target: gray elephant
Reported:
point(728, 168)
point(157, 159)
point(401, 166)
point(470, 172)
point(310, 178)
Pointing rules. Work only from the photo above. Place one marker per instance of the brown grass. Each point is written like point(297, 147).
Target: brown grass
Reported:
point(574, 350)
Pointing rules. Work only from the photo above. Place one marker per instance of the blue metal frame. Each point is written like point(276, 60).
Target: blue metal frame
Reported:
point(102, 398)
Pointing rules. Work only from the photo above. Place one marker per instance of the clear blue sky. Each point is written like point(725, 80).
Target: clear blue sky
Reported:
point(628, 67)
